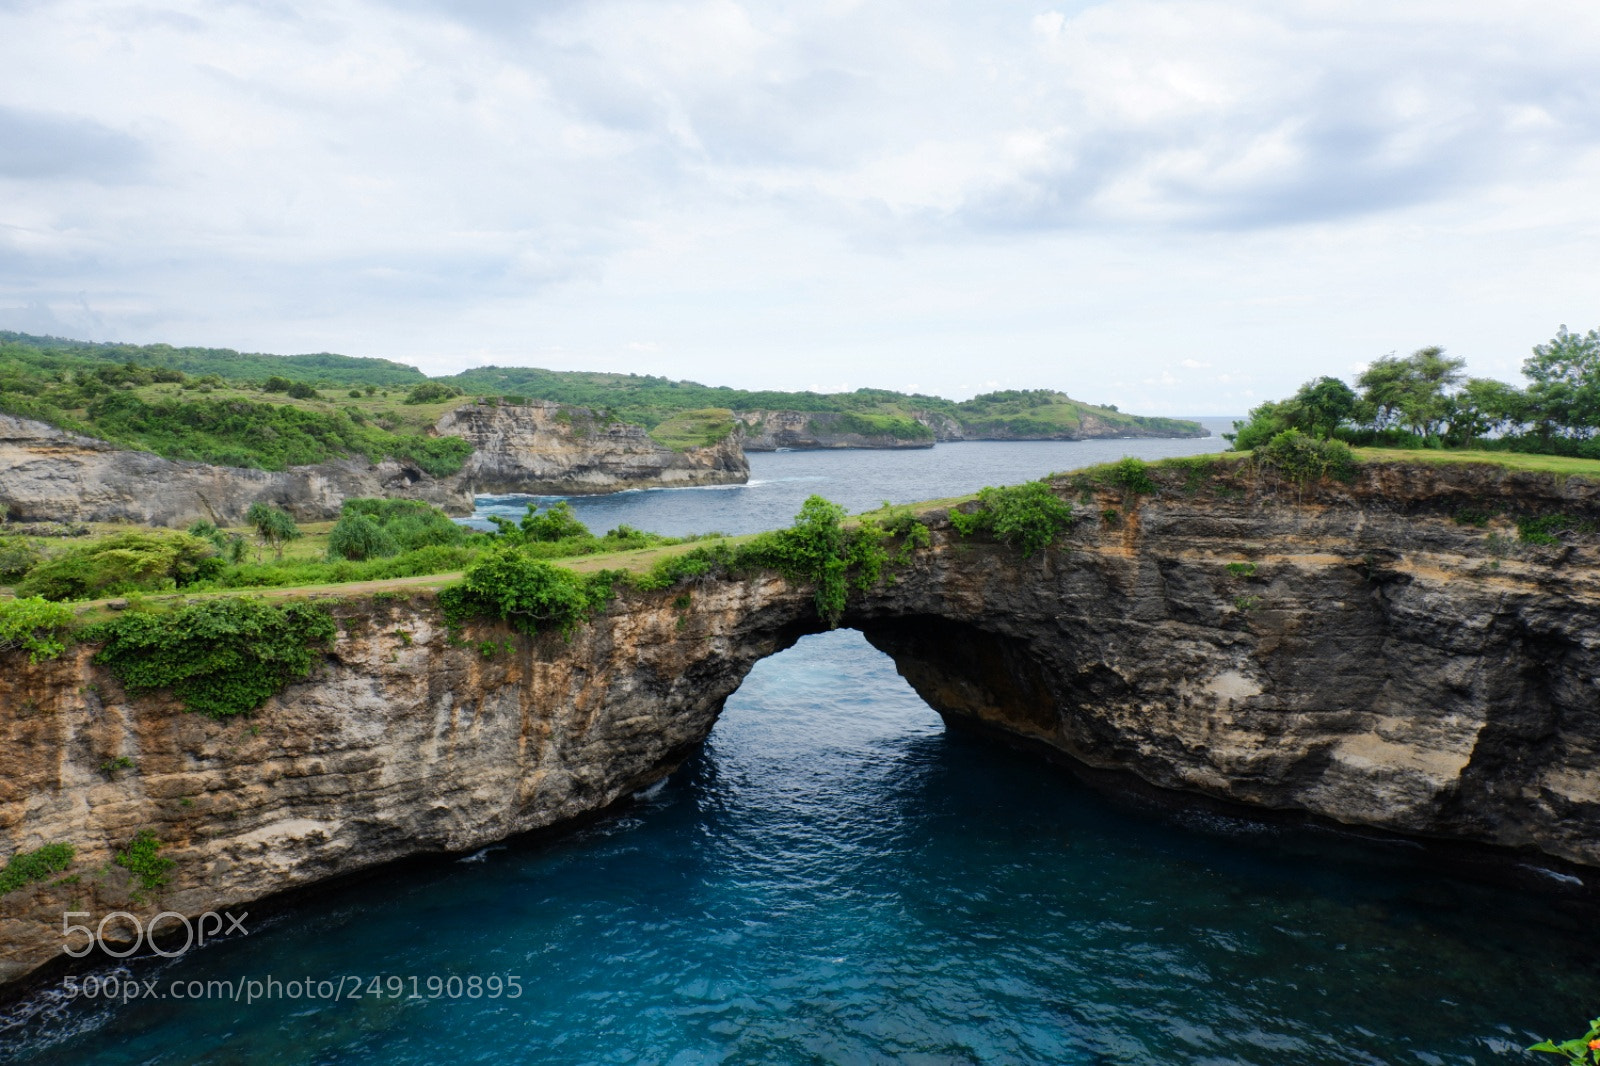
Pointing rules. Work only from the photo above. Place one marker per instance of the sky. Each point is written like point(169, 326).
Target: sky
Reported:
point(1177, 207)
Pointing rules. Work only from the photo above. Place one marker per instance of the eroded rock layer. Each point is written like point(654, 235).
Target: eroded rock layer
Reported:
point(47, 474)
point(1364, 653)
point(539, 447)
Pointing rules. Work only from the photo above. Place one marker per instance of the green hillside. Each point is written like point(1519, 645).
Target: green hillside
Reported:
point(322, 368)
point(271, 411)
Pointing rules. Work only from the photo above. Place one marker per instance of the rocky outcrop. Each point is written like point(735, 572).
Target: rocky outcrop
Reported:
point(769, 431)
point(540, 447)
point(48, 474)
point(1363, 653)
point(1089, 426)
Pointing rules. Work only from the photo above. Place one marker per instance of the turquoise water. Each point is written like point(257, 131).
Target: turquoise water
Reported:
point(835, 879)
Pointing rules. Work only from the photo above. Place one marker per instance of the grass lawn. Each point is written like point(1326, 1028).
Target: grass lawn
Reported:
point(1550, 464)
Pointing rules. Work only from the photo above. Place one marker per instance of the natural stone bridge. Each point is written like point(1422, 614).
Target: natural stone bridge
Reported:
point(1369, 659)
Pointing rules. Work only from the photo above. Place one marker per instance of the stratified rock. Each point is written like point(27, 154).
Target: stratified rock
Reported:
point(768, 431)
point(48, 474)
point(548, 448)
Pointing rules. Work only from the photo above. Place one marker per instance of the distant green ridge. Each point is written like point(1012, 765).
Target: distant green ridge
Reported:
point(267, 411)
point(321, 368)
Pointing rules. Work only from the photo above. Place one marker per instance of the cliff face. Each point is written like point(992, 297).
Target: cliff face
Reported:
point(542, 447)
point(767, 431)
point(1349, 651)
point(47, 474)
point(1089, 427)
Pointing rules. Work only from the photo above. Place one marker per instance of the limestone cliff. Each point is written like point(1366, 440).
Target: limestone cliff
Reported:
point(1360, 652)
point(49, 474)
point(1088, 426)
point(538, 447)
point(768, 431)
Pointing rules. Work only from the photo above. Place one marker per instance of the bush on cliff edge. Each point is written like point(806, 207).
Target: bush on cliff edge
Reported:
point(220, 657)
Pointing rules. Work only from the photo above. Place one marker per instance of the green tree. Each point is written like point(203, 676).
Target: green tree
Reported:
point(1411, 392)
point(1564, 397)
point(273, 526)
point(556, 522)
point(1325, 404)
point(1483, 406)
point(359, 537)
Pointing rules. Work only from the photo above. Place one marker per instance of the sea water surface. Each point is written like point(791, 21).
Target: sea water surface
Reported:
point(858, 479)
point(836, 879)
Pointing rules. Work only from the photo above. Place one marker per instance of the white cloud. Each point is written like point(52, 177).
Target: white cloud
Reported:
point(777, 193)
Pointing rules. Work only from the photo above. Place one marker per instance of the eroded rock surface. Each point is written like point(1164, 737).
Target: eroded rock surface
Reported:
point(540, 447)
point(47, 474)
point(1366, 657)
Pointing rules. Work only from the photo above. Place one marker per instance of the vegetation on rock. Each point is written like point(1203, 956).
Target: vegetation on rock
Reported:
point(219, 657)
point(533, 595)
point(29, 867)
point(36, 626)
point(140, 858)
point(1029, 516)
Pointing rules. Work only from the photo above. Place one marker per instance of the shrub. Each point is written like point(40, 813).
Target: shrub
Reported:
point(1583, 1049)
point(557, 522)
point(36, 626)
point(140, 859)
point(359, 537)
point(1029, 516)
point(411, 523)
point(529, 593)
point(144, 560)
point(818, 548)
point(1132, 475)
point(431, 392)
point(694, 565)
point(220, 657)
point(27, 867)
point(17, 557)
point(1305, 459)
